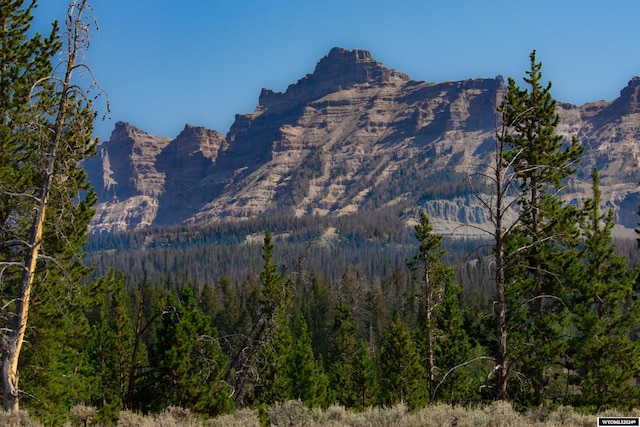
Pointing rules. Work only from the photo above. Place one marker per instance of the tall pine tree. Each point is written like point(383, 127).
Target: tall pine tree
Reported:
point(274, 298)
point(435, 279)
point(542, 245)
point(602, 354)
point(45, 132)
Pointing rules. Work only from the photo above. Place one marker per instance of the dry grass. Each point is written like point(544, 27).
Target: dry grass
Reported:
point(170, 417)
point(19, 418)
point(295, 413)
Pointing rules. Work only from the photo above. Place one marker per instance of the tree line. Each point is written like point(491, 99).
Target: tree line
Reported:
point(556, 322)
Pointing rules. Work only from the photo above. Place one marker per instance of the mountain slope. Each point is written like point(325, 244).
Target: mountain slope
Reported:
point(353, 136)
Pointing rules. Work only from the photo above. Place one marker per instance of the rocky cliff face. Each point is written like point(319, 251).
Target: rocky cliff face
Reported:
point(126, 178)
point(353, 136)
point(187, 163)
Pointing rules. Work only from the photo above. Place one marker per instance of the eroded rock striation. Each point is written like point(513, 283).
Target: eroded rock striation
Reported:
point(353, 136)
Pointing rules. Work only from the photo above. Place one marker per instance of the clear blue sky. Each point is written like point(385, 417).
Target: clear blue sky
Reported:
point(165, 63)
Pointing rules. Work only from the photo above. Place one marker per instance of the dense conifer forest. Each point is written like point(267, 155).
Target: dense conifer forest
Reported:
point(374, 245)
point(351, 304)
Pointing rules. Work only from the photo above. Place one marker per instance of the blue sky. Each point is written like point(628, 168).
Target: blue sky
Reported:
point(165, 63)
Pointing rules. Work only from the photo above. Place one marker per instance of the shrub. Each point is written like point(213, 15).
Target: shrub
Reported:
point(131, 419)
point(290, 413)
point(380, 417)
point(170, 417)
point(242, 418)
point(177, 417)
point(295, 413)
point(83, 414)
point(333, 416)
point(17, 418)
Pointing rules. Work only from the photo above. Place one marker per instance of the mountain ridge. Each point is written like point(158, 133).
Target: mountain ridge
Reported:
point(354, 136)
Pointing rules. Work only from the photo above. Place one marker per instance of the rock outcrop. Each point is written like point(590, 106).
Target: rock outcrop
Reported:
point(125, 176)
point(187, 163)
point(353, 136)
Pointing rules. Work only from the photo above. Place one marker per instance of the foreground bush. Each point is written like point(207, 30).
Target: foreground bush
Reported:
point(295, 413)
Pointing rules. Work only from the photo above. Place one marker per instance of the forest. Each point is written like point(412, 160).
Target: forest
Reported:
point(360, 311)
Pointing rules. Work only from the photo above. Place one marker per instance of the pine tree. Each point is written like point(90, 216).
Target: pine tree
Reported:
point(434, 277)
point(110, 350)
point(308, 380)
point(394, 289)
point(232, 320)
point(45, 132)
point(187, 360)
point(365, 379)
point(319, 311)
point(602, 354)
point(340, 361)
point(378, 318)
point(274, 298)
point(145, 300)
point(401, 375)
point(25, 60)
point(273, 364)
point(55, 367)
point(542, 245)
point(209, 302)
point(453, 350)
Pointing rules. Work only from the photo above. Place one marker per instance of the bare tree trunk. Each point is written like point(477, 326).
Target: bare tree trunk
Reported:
point(136, 347)
point(431, 378)
point(429, 332)
point(537, 306)
point(498, 207)
point(242, 370)
point(502, 364)
point(19, 321)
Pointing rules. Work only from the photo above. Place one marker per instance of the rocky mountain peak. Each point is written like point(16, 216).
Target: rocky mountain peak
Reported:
point(623, 110)
point(197, 139)
point(356, 66)
point(339, 54)
point(339, 69)
point(190, 130)
point(124, 130)
point(630, 96)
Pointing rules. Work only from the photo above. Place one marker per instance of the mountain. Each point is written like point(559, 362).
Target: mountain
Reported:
point(352, 137)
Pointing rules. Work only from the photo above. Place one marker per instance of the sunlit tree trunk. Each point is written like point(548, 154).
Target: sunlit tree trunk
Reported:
point(59, 90)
